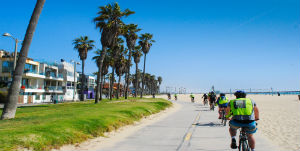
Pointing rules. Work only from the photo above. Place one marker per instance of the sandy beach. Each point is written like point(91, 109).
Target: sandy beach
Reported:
point(279, 118)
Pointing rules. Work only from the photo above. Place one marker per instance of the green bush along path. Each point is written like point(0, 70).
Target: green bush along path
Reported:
point(44, 127)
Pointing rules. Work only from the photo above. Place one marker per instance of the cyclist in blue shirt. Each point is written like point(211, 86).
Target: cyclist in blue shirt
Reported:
point(222, 102)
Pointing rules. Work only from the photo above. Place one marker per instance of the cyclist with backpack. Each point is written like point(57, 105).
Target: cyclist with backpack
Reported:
point(204, 99)
point(212, 99)
point(222, 103)
point(244, 114)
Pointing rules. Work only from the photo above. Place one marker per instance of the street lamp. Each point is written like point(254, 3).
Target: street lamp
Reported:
point(16, 46)
point(74, 77)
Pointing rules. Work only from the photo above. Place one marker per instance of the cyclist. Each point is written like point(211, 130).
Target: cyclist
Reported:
point(192, 97)
point(222, 102)
point(244, 114)
point(212, 98)
point(169, 96)
point(175, 95)
point(204, 99)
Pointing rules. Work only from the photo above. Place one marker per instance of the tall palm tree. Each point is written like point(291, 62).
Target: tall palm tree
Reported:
point(10, 106)
point(159, 79)
point(120, 66)
point(83, 45)
point(109, 22)
point(115, 54)
point(129, 32)
point(137, 53)
point(146, 42)
point(106, 62)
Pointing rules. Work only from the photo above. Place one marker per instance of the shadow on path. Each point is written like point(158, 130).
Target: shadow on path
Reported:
point(210, 124)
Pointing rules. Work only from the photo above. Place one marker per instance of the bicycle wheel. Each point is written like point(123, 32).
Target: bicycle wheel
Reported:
point(245, 146)
point(225, 121)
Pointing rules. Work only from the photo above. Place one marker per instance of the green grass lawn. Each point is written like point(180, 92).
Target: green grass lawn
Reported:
point(44, 127)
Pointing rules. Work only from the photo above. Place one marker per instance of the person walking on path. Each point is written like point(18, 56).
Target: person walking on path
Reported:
point(244, 114)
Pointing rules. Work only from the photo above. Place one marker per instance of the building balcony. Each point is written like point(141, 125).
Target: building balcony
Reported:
point(33, 89)
point(54, 89)
point(33, 73)
point(53, 76)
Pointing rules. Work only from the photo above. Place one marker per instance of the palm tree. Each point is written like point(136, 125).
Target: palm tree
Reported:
point(109, 23)
point(104, 69)
point(146, 42)
point(114, 54)
point(159, 79)
point(83, 45)
point(137, 57)
point(10, 106)
point(120, 66)
point(129, 32)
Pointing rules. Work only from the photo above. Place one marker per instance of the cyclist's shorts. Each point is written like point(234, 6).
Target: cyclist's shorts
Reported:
point(250, 127)
point(223, 105)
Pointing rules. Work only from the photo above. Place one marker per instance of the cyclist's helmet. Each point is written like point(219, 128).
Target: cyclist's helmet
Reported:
point(222, 94)
point(240, 94)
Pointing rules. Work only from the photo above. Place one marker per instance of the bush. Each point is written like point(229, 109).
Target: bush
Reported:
point(3, 97)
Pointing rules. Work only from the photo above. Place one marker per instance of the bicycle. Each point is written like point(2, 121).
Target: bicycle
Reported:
point(243, 140)
point(205, 102)
point(212, 106)
point(192, 99)
point(223, 117)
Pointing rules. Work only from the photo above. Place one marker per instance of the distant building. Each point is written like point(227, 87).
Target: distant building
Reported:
point(90, 86)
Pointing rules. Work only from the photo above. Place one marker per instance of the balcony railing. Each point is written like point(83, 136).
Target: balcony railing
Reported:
point(30, 71)
point(54, 88)
point(53, 75)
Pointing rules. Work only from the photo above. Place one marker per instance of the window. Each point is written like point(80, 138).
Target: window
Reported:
point(70, 74)
point(44, 97)
point(7, 66)
point(37, 97)
point(30, 68)
point(25, 83)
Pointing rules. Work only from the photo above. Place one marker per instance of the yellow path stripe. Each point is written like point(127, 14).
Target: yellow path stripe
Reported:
point(188, 136)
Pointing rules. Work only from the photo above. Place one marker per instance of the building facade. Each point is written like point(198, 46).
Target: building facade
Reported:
point(42, 81)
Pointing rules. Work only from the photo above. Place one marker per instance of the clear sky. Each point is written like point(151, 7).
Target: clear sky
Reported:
point(199, 43)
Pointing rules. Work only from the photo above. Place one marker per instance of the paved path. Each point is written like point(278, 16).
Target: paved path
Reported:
point(191, 128)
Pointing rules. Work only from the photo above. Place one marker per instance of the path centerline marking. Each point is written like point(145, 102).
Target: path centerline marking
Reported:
point(189, 133)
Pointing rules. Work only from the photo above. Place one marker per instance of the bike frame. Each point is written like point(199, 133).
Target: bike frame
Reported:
point(243, 141)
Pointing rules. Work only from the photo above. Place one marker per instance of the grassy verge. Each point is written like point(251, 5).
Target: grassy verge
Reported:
point(50, 126)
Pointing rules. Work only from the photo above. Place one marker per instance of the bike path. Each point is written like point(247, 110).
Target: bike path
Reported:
point(194, 127)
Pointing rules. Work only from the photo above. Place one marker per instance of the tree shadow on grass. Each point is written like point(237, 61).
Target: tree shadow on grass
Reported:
point(37, 106)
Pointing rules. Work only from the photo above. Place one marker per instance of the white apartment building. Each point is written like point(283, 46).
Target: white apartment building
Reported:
point(42, 81)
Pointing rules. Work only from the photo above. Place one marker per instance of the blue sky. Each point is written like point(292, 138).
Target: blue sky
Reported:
point(199, 43)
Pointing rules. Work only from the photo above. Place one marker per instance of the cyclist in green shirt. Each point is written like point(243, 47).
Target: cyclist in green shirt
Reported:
point(244, 113)
point(192, 97)
point(175, 95)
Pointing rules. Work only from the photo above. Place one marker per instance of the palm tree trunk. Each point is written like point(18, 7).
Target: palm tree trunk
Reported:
point(128, 73)
point(137, 80)
point(125, 85)
point(82, 82)
point(99, 74)
point(118, 91)
point(101, 86)
point(10, 106)
point(112, 82)
point(143, 79)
